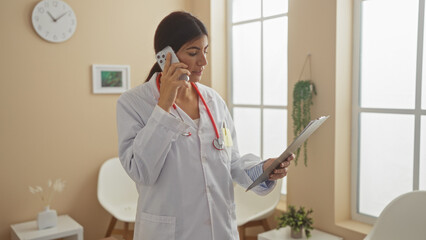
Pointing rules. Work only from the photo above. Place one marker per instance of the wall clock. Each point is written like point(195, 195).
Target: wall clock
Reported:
point(54, 20)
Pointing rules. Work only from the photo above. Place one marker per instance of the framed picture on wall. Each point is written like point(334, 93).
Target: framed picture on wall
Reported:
point(110, 79)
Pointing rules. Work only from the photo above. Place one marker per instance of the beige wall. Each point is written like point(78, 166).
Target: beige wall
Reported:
point(213, 15)
point(324, 29)
point(52, 126)
point(312, 29)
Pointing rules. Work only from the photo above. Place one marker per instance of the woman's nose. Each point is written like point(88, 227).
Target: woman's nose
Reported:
point(202, 61)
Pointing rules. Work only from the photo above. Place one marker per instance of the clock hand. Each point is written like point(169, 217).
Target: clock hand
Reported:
point(63, 14)
point(54, 20)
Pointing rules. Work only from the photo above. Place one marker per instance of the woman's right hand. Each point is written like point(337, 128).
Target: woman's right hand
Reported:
point(170, 82)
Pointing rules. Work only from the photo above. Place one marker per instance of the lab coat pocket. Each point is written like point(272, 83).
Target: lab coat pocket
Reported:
point(225, 156)
point(154, 227)
point(229, 152)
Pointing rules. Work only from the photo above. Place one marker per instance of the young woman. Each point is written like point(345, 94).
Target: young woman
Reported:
point(177, 142)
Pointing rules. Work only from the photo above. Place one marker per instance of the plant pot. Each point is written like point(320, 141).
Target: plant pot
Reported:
point(296, 234)
point(47, 218)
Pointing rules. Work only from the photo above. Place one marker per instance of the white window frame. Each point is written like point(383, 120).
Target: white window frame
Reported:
point(260, 106)
point(417, 112)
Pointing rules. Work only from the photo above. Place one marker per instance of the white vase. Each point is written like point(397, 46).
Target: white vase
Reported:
point(47, 218)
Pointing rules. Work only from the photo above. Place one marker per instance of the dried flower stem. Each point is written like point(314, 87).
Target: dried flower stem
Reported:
point(46, 197)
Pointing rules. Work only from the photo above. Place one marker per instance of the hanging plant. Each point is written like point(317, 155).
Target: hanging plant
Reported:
point(302, 101)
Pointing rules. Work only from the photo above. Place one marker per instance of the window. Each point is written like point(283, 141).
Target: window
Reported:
point(389, 110)
point(258, 87)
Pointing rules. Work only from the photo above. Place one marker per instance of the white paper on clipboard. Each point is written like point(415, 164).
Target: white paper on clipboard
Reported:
point(298, 141)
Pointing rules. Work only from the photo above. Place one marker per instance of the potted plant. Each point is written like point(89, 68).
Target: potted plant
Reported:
point(298, 220)
point(303, 92)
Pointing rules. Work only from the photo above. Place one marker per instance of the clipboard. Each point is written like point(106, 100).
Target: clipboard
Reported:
point(297, 142)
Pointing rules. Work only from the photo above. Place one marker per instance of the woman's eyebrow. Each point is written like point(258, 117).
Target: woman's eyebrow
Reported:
point(197, 48)
point(189, 48)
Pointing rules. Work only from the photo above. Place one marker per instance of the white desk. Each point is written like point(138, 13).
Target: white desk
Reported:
point(67, 228)
point(284, 233)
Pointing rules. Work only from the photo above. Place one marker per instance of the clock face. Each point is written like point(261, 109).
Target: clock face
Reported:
point(54, 20)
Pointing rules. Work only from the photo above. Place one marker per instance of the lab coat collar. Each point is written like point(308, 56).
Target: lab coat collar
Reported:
point(207, 95)
point(203, 90)
point(153, 86)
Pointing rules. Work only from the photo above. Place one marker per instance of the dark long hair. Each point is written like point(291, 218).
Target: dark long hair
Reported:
point(174, 30)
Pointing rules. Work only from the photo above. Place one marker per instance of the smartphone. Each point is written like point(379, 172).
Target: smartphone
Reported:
point(161, 59)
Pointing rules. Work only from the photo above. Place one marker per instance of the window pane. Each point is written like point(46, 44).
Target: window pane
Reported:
point(246, 63)
point(245, 10)
point(274, 132)
point(424, 72)
point(275, 136)
point(388, 53)
point(386, 159)
point(247, 125)
point(424, 78)
point(284, 186)
point(275, 61)
point(273, 7)
point(422, 172)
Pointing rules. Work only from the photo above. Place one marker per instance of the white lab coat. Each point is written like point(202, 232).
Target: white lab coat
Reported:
point(185, 185)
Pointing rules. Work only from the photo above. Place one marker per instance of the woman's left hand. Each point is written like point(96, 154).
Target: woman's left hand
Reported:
point(281, 170)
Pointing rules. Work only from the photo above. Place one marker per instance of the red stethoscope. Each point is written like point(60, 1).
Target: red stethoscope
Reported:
point(217, 142)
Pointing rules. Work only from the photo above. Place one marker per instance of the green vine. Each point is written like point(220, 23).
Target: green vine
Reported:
point(302, 101)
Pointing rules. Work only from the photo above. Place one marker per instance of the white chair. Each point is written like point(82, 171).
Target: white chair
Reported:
point(253, 210)
point(403, 218)
point(117, 194)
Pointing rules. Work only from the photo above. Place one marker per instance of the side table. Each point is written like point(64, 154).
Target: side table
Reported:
point(67, 229)
point(284, 233)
